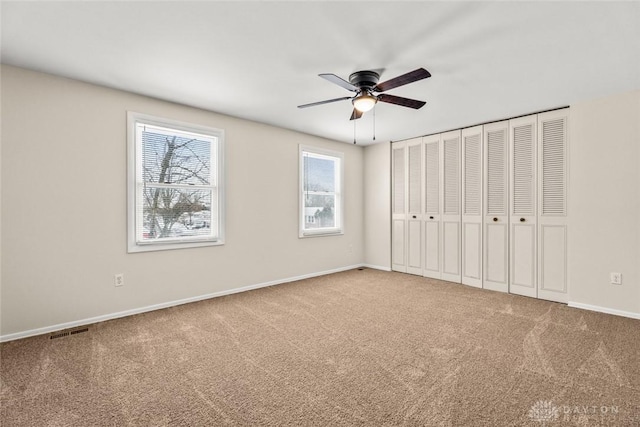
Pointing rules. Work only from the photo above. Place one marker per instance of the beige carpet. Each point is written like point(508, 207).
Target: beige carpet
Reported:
point(365, 348)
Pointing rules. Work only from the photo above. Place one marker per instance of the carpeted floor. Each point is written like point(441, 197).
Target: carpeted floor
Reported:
point(365, 348)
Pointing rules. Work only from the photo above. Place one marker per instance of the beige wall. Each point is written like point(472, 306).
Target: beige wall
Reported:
point(604, 202)
point(64, 207)
point(377, 219)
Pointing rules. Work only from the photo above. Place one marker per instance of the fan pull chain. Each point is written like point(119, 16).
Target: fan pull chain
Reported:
point(354, 131)
point(374, 124)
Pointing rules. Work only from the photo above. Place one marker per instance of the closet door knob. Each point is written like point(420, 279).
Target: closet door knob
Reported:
point(430, 217)
point(414, 217)
point(522, 220)
point(495, 219)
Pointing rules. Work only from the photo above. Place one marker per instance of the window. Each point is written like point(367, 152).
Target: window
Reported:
point(175, 184)
point(320, 192)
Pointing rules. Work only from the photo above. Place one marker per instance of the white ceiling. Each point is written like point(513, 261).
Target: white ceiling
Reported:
point(259, 60)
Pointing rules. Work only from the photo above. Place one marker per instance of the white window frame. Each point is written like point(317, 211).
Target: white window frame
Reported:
point(339, 186)
point(135, 184)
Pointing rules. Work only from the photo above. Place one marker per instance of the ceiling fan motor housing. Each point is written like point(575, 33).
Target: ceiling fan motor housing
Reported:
point(364, 79)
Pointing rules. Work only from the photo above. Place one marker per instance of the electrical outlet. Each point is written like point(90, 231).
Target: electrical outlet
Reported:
point(118, 279)
point(616, 278)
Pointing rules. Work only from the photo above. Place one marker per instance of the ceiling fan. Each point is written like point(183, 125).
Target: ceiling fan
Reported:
point(368, 91)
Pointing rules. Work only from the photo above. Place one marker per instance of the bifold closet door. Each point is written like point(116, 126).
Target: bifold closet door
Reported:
point(496, 207)
point(451, 216)
point(472, 206)
point(522, 210)
point(432, 235)
point(398, 229)
point(552, 205)
point(414, 206)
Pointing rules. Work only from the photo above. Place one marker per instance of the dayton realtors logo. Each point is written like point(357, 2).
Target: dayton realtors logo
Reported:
point(544, 411)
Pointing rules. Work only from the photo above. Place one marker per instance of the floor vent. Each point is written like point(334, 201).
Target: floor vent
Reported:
point(67, 333)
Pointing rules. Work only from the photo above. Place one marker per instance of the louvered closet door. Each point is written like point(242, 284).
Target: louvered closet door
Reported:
point(496, 207)
point(451, 212)
point(432, 203)
point(552, 205)
point(522, 183)
point(414, 206)
point(472, 206)
point(399, 196)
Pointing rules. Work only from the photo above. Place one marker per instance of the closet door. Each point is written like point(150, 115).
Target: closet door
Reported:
point(552, 205)
point(432, 203)
point(472, 206)
point(414, 206)
point(398, 229)
point(496, 207)
point(451, 212)
point(522, 210)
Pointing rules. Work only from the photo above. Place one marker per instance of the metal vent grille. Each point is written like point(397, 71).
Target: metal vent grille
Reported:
point(62, 334)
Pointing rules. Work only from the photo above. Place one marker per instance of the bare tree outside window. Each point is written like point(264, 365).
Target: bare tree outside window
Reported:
point(176, 184)
point(173, 210)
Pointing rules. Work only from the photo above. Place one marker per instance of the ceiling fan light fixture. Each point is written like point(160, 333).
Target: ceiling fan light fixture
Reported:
point(364, 102)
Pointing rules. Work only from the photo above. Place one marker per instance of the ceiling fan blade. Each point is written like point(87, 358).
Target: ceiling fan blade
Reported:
point(405, 102)
point(313, 104)
point(410, 77)
point(356, 114)
point(339, 81)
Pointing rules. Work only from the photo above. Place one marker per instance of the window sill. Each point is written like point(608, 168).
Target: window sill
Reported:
point(152, 247)
point(323, 233)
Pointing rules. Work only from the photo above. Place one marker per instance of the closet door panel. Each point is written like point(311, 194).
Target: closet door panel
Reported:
point(496, 254)
point(522, 185)
point(399, 263)
point(523, 251)
point(553, 280)
point(472, 254)
point(451, 251)
point(496, 207)
point(451, 201)
point(398, 214)
point(432, 249)
point(432, 206)
point(414, 246)
point(472, 206)
point(553, 262)
point(414, 206)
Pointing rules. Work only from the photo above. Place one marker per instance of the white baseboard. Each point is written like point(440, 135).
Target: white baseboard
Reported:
point(105, 317)
point(606, 310)
point(377, 267)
